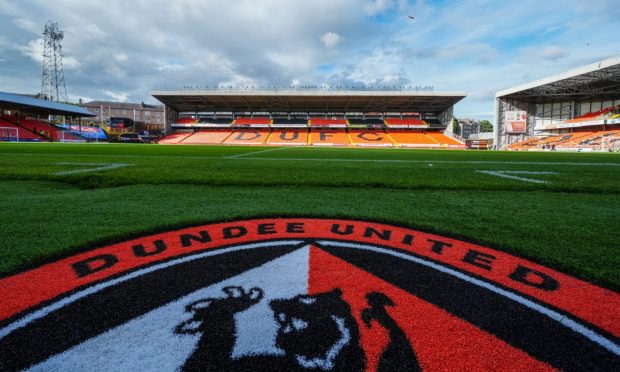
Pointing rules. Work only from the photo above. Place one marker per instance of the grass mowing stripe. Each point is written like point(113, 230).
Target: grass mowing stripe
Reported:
point(327, 159)
point(433, 161)
point(567, 222)
point(569, 231)
point(410, 175)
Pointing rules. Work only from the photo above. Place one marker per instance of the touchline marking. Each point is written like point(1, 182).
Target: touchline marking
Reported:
point(569, 323)
point(507, 174)
point(97, 167)
point(323, 159)
point(434, 161)
point(254, 152)
point(96, 288)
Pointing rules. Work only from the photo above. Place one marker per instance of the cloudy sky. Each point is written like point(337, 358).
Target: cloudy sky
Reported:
point(123, 49)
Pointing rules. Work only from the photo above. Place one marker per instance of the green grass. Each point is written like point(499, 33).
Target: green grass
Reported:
point(570, 222)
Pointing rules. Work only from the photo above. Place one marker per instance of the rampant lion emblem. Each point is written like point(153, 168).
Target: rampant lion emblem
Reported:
point(315, 332)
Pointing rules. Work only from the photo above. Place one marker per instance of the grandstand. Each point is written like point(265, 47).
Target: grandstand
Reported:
point(407, 119)
point(52, 132)
point(10, 131)
point(25, 119)
point(578, 110)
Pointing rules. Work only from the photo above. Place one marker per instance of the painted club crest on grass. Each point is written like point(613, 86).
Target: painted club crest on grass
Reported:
point(303, 294)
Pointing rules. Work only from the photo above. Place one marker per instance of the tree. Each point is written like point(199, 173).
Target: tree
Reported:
point(486, 126)
point(455, 126)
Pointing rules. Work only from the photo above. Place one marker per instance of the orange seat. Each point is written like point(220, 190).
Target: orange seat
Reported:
point(327, 122)
point(292, 137)
point(368, 138)
point(413, 139)
point(186, 121)
point(575, 140)
point(404, 121)
point(175, 137)
point(247, 137)
point(319, 137)
point(206, 137)
point(593, 115)
point(444, 140)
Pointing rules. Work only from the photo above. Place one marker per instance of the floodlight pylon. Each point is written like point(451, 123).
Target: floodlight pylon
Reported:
point(53, 86)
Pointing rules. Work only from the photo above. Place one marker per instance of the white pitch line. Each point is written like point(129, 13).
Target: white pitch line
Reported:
point(254, 152)
point(507, 174)
point(435, 161)
point(324, 159)
point(98, 167)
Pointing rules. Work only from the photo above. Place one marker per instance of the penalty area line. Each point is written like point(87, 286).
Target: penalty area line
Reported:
point(94, 167)
point(509, 175)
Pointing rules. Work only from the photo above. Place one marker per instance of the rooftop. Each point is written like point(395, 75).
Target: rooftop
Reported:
point(600, 80)
point(292, 100)
point(39, 106)
point(122, 105)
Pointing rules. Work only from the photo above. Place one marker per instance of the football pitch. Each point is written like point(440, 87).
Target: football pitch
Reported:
point(560, 209)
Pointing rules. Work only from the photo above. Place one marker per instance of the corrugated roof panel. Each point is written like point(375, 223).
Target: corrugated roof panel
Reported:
point(52, 107)
point(308, 101)
point(574, 74)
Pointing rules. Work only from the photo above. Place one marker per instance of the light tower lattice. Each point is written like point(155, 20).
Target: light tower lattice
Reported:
point(53, 83)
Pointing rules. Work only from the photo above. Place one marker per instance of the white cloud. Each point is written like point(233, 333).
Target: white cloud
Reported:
point(28, 25)
point(114, 70)
point(34, 50)
point(121, 57)
point(117, 96)
point(552, 53)
point(475, 45)
point(8, 7)
point(374, 7)
point(298, 63)
point(163, 66)
point(331, 39)
point(70, 63)
point(94, 32)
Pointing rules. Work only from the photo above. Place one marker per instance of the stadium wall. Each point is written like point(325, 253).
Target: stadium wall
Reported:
point(503, 135)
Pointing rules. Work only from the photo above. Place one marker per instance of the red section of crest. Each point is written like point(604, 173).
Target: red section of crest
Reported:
point(440, 340)
point(593, 304)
